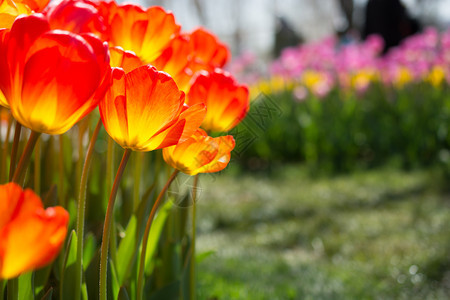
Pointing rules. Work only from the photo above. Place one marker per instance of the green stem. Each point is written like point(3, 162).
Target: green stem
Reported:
point(13, 289)
point(108, 185)
point(37, 168)
point(15, 147)
point(147, 233)
point(192, 271)
point(107, 225)
point(138, 162)
point(2, 289)
point(61, 172)
point(82, 210)
point(4, 174)
point(20, 171)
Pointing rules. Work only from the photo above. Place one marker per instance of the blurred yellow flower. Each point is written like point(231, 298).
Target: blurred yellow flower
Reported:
point(436, 76)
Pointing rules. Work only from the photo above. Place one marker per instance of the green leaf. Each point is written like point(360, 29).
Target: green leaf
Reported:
point(48, 295)
point(115, 285)
point(168, 292)
point(89, 250)
point(123, 295)
point(41, 278)
point(69, 272)
point(155, 232)
point(204, 255)
point(26, 286)
point(126, 251)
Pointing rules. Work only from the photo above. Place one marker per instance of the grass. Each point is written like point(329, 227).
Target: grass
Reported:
point(382, 234)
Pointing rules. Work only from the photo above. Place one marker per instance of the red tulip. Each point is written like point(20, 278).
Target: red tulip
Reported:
point(76, 16)
point(51, 78)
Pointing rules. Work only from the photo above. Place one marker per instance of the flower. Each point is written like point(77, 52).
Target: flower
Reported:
point(126, 60)
point(200, 153)
point(145, 32)
point(207, 49)
point(175, 60)
point(10, 10)
point(51, 78)
point(30, 236)
point(144, 110)
point(77, 16)
point(35, 5)
point(227, 101)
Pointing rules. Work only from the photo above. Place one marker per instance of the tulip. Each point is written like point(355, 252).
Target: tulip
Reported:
point(145, 32)
point(51, 78)
point(190, 53)
point(35, 5)
point(200, 153)
point(30, 236)
point(227, 101)
point(126, 60)
point(207, 49)
point(175, 60)
point(10, 10)
point(4, 75)
point(144, 110)
point(77, 16)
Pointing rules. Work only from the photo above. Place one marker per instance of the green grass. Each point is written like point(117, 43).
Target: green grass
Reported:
point(381, 234)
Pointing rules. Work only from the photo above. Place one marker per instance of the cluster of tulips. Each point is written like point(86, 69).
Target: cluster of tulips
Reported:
point(321, 66)
point(154, 86)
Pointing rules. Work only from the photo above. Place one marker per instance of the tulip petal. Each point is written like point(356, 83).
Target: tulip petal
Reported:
point(30, 236)
point(200, 153)
point(227, 102)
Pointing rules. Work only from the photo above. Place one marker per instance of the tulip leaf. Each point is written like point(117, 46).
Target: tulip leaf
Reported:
point(126, 251)
point(155, 232)
point(204, 255)
point(123, 295)
point(84, 292)
point(115, 285)
point(26, 286)
point(168, 292)
point(48, 295)
point(69, 269)
point(40, 279)
point(89, 250)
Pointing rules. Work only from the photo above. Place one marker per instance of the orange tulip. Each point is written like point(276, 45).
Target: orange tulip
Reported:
point(10, 10)
point(200, 153)
point(176, 60)
point(144, 110)
point(207, 49)
point(126, 60)
point(190, 53)
point(77, 16)
point(51, 78)
point(35, 5)
point(227, 101)
point(145, 32)
point(30, 236)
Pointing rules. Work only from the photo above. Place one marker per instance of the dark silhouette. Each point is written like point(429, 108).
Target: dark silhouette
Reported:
point(390, 19)
point(347, 7)
point(285, 36)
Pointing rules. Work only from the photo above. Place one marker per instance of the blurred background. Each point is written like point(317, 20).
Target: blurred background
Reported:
point(338, 187)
